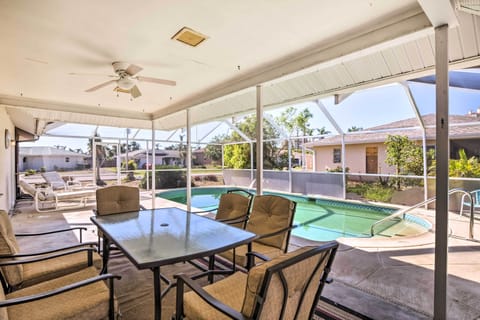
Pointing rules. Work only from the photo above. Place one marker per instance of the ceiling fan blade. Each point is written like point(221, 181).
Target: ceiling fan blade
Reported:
point(156, 80)
point(135, 92)
point(92, 74)
point(101, 85)
point(133, 69)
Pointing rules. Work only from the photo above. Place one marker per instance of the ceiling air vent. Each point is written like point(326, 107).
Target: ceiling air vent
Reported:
point(469, 6)
point(189, 36)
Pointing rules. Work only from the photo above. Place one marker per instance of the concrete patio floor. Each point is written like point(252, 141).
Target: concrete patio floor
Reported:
point(379, 278)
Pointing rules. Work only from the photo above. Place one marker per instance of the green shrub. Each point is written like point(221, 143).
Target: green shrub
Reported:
point(373, 191)
point(166, 179)
point(30, 172)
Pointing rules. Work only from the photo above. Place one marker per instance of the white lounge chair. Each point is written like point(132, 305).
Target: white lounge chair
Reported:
point(46, 199)
point(56, 182)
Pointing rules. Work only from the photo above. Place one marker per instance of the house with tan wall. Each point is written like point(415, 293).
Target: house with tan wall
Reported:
point(365, 151)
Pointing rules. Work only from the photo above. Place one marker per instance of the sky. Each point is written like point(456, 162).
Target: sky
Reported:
point(364, 109)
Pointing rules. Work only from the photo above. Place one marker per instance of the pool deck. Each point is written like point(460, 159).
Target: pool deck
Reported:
point(379, 278)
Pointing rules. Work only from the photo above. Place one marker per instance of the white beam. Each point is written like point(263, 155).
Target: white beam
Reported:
point(439, 12)
point(259, 131)
point(189, 161)
point(442, 155)
point(234, 128)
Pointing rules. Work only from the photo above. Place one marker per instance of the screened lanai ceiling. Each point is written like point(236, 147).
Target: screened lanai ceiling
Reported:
point(53, 51)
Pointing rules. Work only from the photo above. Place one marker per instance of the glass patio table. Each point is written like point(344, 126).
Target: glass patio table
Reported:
point(153, 238)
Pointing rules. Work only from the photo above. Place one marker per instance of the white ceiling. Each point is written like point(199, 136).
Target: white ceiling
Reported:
point(296, 49)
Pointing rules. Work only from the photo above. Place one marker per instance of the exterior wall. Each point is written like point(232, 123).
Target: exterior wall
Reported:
point(355, 156)
point(7, 159)
point(50, 163)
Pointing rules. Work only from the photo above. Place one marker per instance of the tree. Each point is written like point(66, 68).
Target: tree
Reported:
point(464, 167)
point(100, 155)
point(354, 129)
point(214, 151)
point(404, 155)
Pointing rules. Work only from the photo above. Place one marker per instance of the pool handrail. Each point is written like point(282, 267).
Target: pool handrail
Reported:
point(423, 203)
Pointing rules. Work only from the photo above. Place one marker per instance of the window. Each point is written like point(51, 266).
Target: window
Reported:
point(337, 155)
point(67, 159)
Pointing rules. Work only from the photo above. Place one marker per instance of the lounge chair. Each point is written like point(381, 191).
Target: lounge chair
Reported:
point(46, 199)
point(56, 182)
point(287, 287)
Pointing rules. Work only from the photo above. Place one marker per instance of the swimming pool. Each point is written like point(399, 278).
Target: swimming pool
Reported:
point(333, 218)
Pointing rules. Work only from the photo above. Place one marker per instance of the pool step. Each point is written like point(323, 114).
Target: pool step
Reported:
point(401, 229)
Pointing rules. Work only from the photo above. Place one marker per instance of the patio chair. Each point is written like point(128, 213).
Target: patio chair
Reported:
point(271, 218)
point(116, 199)
point(43, 265)
point(48, 200)
point(233, 209)
point(286, 287)
point(475, 194)
point(80, 295)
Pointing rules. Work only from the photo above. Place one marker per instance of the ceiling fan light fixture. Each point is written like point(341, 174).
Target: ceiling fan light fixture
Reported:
point(189, 36)
point(126, 83)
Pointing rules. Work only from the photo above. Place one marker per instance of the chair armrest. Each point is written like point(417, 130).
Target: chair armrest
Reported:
point(249, 194)
point(142, 207)
point(34, 257)
point(223, 308)
point(38, 253)
point(47, 294)
point(205, 211)
point(258, 255)
point(80, 229)
point(234, 220)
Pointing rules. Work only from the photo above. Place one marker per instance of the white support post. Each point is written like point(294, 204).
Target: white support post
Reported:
point(442, 155)
point(344, 174)
point(154, 158)
point(290, 180)
point(259, 129)
point(189, 162)
point(339, 130)
point(252, 176)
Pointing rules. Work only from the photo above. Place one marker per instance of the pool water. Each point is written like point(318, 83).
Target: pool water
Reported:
point(331, 218)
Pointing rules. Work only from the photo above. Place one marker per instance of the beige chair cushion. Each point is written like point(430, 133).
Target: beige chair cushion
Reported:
point(3, 311)
point(8, 246)
point(240, 253)
point(230, 291)
point(117, 199)
point(45, 270)
point(271, 213)
point(89, 302)
point(296, 277)
point(232, 206)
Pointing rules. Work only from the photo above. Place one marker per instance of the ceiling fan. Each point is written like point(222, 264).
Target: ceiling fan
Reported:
point(126, 79)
